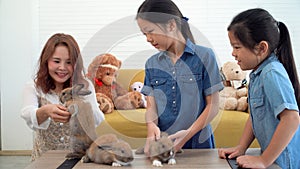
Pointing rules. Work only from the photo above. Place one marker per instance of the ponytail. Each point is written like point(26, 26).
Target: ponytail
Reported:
point(185, 30)
point(285, 56)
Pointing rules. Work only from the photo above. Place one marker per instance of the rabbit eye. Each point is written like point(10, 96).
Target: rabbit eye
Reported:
point(122, 151)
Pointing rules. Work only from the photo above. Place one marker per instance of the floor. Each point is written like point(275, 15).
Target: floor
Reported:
point(14, 162)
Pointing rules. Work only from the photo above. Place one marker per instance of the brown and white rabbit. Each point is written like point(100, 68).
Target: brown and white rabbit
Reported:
point(160, 151)
point(108, 149)
point(82, 125)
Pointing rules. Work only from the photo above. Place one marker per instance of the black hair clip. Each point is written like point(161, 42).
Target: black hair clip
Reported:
point(185, 18)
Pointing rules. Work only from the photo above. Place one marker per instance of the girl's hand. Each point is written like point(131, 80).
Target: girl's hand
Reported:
point(247, 161)
point(57, 113)
point(178, 139)
point(231, 152)
point(153, 134)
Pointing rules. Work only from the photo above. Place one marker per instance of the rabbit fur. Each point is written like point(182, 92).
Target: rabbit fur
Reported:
point(160, 151)
point(108, 149)
point(82, 125)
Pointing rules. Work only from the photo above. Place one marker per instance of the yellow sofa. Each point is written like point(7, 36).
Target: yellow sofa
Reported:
point(130, 126)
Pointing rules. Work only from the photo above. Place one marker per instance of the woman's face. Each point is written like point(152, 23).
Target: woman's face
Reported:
point(156, 34)
point(59, 66)
point(246, 58)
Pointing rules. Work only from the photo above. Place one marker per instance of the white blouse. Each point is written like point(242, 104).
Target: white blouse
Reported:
point(30, 105)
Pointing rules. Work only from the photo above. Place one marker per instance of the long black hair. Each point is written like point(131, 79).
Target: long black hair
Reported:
point(255, 25)
point(161, 12)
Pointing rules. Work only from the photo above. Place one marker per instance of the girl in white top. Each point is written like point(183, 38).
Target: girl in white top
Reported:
point(60, 66)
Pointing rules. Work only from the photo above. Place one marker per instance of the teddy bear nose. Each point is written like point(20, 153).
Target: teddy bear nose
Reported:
point(236, 72)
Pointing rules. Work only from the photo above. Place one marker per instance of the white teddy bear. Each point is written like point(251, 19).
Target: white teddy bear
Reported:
point(137, 86)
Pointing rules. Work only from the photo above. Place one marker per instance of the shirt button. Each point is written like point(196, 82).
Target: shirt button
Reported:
point(173, 72)
point(174, 102)
point(191, 79)
point(61, 124)
point(173, 87)
point(62, 139)
point(156, 81)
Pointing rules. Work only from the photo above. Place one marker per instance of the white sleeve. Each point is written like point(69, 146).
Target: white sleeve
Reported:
point(98, 114)
point(30, 106)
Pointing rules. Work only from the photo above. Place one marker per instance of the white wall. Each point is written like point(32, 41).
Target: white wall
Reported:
point(104, 26)
point(18, 44)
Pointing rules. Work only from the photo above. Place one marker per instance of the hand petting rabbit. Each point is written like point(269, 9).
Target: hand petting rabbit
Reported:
point(160, 151)
point(82, 125)
point(108, 149)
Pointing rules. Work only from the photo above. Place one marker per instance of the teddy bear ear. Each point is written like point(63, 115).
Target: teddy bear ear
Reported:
point(119, 64)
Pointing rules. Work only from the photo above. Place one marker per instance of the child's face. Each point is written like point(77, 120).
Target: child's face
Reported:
point(246, 58)
point(156, 35)
point(59, 66)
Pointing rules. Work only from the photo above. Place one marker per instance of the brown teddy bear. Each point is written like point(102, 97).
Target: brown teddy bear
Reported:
point(103, 71)
point(234, 94)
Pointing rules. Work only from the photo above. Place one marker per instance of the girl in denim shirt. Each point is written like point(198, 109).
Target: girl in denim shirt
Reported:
point(263, 44)
point(182, 81)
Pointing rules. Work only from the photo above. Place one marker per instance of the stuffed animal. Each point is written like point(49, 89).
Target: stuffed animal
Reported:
point(103, 71)
point(137, 86)
point(234, 94)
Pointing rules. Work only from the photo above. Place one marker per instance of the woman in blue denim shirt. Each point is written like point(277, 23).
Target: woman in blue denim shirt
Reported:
point(182, 81)
point(263, 44)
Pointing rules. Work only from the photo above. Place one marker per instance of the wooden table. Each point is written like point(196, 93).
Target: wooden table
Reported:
point(196, 158)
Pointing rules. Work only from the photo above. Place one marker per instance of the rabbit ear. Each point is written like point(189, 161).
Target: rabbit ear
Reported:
point(84, 92)
point(78, 90)
point(105, 147)
point(164, 134)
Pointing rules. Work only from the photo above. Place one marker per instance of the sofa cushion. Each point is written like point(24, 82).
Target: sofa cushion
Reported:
point(228, 127)
point(130, 126)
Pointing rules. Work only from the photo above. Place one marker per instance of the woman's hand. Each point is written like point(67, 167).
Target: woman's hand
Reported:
point(60, 114)
point(153, 134)
point(231, 152)
point(56, 112)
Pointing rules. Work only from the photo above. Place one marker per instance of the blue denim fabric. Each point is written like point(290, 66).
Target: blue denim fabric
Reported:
point(270, 92)
point(180, 89)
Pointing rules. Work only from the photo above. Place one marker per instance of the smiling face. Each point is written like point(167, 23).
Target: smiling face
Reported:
point(157, 35)
point(247, 59)
point(60, 67)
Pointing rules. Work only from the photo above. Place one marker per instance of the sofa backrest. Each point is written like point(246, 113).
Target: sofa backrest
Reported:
point(128, 76)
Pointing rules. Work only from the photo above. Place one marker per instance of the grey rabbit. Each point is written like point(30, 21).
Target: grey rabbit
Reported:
point(108, 149)
point(160, 151)
point(82, 125)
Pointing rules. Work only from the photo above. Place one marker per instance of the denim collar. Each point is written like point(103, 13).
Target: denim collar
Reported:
point(189, 48)
point(268, 60)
